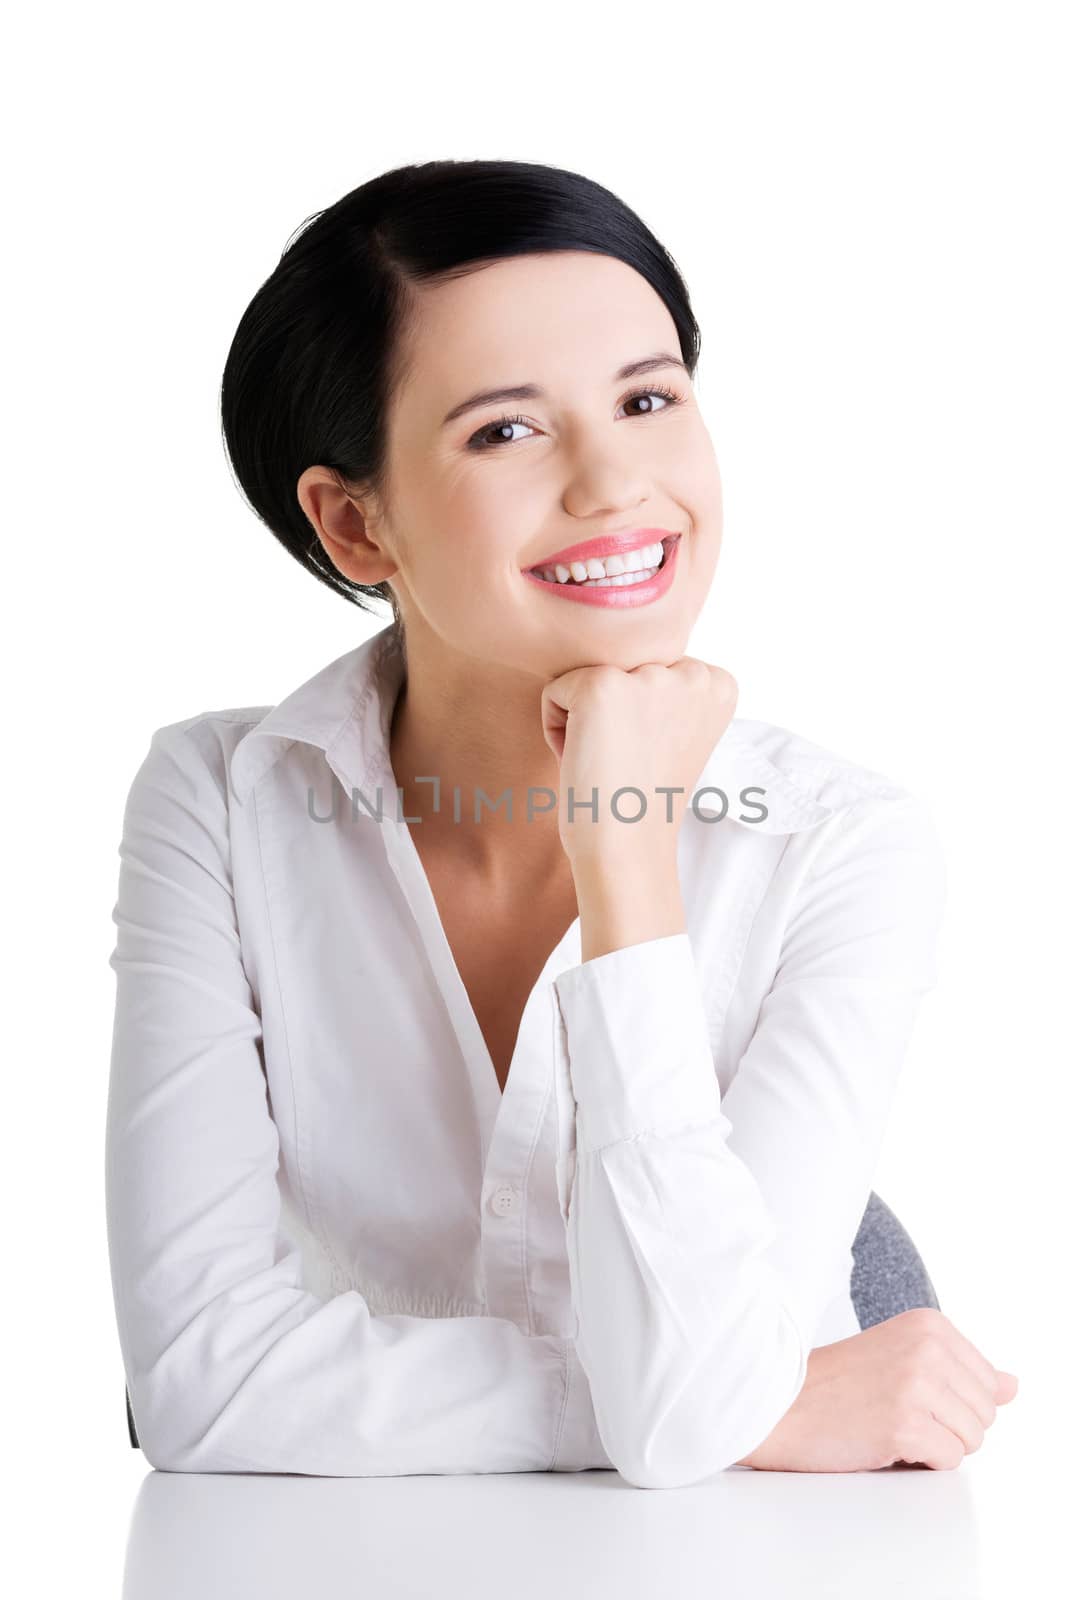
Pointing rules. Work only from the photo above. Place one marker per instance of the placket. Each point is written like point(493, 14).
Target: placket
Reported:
point(520, 1225)
point(524, 1248)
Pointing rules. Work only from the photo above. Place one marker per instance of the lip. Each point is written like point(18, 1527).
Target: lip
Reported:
point(609, 544)
point(624, 595)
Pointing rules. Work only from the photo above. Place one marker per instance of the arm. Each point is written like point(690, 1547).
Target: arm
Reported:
point(705, 1239)
point(231, 1365)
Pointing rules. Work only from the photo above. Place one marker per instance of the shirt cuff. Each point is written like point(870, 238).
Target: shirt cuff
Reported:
point(635, 1034)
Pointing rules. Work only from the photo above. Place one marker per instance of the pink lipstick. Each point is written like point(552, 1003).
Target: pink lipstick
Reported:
point(608, 544)
point(617, 595)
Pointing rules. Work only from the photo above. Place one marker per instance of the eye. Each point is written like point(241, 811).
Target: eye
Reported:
point(482, 441)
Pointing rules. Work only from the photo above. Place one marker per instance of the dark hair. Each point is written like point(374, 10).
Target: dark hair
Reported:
point(314, 362)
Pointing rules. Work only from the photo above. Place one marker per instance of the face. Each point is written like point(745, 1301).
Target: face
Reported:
point(475, 500)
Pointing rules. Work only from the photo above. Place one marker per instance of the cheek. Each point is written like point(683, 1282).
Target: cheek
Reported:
point(484, 540)
point(448, 552)
point(706, 507)
point(475, 518)
point(691, 476)
point(463, 589)
point(703, 479)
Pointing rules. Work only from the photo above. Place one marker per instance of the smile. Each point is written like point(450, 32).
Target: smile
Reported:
point(633, 579)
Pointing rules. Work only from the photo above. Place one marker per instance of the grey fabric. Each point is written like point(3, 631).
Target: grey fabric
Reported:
point(888, 1274)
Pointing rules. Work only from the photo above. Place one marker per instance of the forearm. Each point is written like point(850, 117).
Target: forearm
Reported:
point(627, 902)
point(820, 1432)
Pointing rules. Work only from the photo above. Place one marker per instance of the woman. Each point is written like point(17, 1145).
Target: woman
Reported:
point(505, 1030)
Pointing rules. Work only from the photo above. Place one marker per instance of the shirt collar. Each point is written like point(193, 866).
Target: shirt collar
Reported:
point(346, 709)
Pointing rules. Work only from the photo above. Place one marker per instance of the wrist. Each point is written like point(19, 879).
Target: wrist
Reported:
point(772, 1453)
point(625, 902)
point(605, 865)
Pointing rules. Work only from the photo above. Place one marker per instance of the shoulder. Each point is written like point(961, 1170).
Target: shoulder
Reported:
point(854, 812)
point(823, 775)
point(195, 753)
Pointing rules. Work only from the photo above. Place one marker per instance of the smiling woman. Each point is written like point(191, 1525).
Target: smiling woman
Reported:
point(447, 1145)
point(321, 354)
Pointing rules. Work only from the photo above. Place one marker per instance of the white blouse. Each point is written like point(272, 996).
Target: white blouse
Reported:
point(338, 1248)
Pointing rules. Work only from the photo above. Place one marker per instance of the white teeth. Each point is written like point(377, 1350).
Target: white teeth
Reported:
point(621, 580)
point(642, 562)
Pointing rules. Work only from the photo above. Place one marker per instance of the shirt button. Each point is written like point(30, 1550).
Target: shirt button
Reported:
point(503, 1200)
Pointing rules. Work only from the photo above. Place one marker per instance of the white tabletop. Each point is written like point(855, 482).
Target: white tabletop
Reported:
point(530, 1536)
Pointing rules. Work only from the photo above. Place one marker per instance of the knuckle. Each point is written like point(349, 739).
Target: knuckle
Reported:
point(902, 1439)
point(905, 1420)
point(915, 1390)
point(924, 1349)
point(918, 1354)
point(928, 1346)
point(601, 679)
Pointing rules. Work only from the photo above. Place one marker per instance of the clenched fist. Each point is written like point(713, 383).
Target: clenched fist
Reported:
point(650, 730)
point(911, 1389)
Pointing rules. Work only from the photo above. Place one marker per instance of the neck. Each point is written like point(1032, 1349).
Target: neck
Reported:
point(477, 727)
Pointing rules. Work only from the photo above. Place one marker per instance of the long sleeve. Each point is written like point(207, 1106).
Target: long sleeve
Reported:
point(704, 1235)
point(232, 1365)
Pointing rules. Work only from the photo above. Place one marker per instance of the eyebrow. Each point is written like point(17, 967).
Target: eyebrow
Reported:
point(531, 391)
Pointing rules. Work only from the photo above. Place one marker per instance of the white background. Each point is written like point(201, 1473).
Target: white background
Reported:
point(867, 202)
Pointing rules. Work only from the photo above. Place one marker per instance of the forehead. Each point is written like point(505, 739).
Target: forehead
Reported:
point(539, 318)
